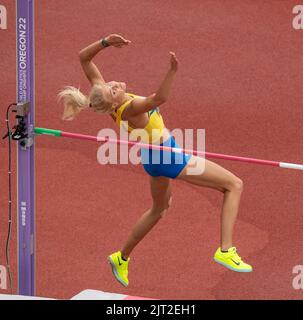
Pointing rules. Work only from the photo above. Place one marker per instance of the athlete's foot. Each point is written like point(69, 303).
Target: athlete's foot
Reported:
point(119, 267)
point(232, 260)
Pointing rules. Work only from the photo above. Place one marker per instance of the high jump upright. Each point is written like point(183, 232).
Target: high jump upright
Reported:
point(25, 55)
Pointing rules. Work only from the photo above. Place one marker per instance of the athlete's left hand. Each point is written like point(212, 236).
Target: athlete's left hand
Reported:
point(117, 41)
point(173, 62)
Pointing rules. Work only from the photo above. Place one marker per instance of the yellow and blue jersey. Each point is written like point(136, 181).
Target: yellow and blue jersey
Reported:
point(154, 128)
point(155, 162)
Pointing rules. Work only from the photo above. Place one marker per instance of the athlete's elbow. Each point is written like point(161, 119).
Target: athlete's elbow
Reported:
point(82, 56)
point(160, 100)
point(156, 99)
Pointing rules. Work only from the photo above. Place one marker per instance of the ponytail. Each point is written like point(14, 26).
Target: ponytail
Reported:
point(73, 100)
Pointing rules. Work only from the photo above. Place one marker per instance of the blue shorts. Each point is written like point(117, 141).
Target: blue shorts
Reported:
point(164, 163)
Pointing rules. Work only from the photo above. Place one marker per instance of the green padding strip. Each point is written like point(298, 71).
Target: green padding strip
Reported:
point(51, 132)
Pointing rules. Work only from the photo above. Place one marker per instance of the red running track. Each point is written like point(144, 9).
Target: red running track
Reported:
point(239, 78)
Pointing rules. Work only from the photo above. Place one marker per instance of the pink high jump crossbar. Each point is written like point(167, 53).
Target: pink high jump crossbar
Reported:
point(59, 133)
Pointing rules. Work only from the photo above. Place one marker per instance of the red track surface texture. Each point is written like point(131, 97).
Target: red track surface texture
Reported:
point(240, 78)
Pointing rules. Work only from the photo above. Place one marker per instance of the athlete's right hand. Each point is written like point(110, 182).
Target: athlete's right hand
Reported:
point(117, 41)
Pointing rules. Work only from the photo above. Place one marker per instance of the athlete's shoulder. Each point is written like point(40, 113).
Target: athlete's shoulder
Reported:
point(132, 95)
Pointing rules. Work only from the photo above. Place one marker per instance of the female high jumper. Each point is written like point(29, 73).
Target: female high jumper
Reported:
point(142, 113)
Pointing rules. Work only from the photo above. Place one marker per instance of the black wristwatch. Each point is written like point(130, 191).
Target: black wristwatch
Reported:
point(104, 43)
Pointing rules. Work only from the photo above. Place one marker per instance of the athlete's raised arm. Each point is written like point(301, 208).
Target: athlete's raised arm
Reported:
point(87, 54)
point(140, 105)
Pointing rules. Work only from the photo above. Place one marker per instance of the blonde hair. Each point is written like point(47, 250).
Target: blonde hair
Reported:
point(75, 101)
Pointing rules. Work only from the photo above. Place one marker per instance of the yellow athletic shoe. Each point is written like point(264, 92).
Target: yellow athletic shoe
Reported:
point(119, 267)
point(232, 260)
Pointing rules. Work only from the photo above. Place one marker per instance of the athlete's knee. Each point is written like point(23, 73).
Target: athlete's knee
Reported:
point(237, 185)
point(168, 205)
point(170, 202)
point(162, 209)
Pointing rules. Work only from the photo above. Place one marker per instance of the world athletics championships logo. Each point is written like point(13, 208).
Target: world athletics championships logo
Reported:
point(3, 17)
